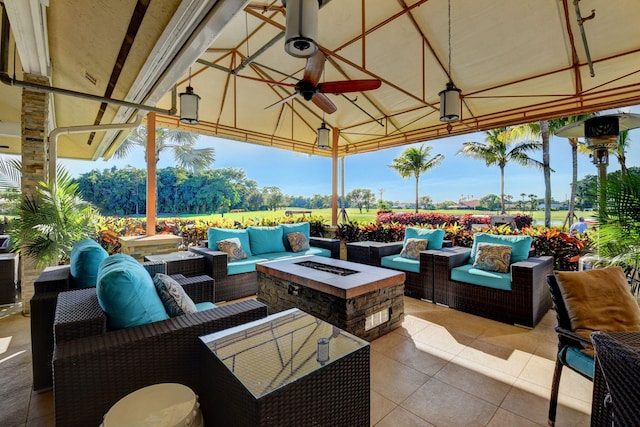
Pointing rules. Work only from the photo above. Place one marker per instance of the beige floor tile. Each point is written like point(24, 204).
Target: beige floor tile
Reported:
point(400, 417)
point(510, 337)
point(419, 356)
point(504, 418)
point(532, 402)
point(388, 340)
point(380, 407)
point(540, 372)
point(445, 405)
point(412, 325)
point(443, 339)
point(392, 379)
point(476, 383)
point(496, 357)
point(459, 323)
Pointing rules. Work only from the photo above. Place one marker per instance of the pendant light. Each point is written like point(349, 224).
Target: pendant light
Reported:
point(324, 137)
point(189, 105)
point(301, 30)
point(450, 97)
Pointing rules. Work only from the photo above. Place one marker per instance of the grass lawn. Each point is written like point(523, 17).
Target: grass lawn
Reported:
point(557, 217)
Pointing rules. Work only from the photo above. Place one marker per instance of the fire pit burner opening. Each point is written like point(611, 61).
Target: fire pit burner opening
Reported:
point(328, 268)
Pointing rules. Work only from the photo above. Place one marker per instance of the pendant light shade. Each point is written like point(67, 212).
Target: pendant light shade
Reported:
point(189, 107)
point(323, 137)
point(450, 97)
point(302, 27)
point(450, 104)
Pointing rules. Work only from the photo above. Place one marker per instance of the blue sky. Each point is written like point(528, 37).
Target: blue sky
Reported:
point(456, 177)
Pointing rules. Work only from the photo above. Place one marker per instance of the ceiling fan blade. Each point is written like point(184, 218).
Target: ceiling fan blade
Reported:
point(313, 69)
point(282, 101)
point(349, 86)
point(325, 104)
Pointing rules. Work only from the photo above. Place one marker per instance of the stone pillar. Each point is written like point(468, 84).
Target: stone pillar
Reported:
point(35, 163)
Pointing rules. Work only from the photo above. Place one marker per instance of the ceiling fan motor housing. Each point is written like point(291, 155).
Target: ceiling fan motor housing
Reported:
point(301, 31)
point(601, 132)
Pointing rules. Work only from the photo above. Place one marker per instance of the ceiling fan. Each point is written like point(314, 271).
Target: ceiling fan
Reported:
point(311, 90)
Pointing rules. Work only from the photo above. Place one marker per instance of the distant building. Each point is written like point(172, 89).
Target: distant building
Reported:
point(465, 204)
point(554, 207)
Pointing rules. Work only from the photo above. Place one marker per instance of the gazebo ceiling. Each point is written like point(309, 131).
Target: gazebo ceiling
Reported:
point(515, 62)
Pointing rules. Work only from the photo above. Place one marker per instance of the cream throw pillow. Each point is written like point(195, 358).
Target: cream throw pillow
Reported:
point(598, 300)
point(412, 248)
point(298, 241)
point(491, 257)
point(233, 248)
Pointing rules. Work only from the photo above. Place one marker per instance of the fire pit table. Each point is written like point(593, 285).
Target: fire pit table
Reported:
point(364, 300)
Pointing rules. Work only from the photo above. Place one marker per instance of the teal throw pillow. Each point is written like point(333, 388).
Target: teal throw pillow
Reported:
point(175, 299)
point(215, 234)
point(299, 227)
point(435, 236)
point(520, 245)
point(265, 239)
point(126, 293)
point(86, 256)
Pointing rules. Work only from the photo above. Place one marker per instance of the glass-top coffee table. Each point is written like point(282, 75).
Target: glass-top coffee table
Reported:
point(289, 368)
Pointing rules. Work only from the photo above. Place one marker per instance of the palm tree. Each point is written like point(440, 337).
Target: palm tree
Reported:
point(621, 151)
point(501, 149)
point(180, 142)
point(573, 142)
point(414, 161)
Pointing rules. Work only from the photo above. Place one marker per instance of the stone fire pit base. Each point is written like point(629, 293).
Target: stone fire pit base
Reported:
point(368, 314)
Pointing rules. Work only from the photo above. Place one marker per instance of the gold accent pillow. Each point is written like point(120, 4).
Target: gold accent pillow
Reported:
point(598, 300)
point(233, 248)
point(412, 248)
point(298, 241)
point(491, 257)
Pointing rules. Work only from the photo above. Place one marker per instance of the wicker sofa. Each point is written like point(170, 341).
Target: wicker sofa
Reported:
point(524, 303)
point(94, 367)
point(238, 279)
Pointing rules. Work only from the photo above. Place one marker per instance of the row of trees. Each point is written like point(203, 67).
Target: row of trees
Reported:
point(123, 192)
point(513, 144)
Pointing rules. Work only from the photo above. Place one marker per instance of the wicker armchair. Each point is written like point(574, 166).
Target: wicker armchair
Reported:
point(416, 285)
point(48, 286)
point(94, 368)
point(525, 304)
point(618, 373)
point(231, 287)
point(569, 344)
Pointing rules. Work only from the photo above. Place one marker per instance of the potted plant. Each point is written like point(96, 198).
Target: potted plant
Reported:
point(49, 221)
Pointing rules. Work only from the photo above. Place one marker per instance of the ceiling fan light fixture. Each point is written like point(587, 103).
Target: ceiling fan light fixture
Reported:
point(324, 141)
point(189, 107)
point(301, 27)
point(450, 103)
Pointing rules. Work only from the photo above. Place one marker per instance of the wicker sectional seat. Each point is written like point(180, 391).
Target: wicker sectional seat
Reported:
point(524, 301)
point(238, 278)
point(94, 367)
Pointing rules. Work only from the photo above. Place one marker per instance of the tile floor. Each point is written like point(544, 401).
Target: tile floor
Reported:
point(442, 368)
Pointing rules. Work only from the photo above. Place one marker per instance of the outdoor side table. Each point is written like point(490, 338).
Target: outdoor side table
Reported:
point(185, 263)
point(8, 277)
point(288, 369)
point(362, 253)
